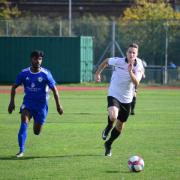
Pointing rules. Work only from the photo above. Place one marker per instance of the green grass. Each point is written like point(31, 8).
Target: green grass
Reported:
point(70, 146)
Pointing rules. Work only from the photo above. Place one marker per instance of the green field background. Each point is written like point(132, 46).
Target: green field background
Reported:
point(70, 146)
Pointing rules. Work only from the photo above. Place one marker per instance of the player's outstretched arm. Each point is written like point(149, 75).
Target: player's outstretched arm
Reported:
point(11, 106)
point(101, 67)
point(56, 98)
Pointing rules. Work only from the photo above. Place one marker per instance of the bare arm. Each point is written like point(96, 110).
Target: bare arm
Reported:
point(11, 106)
point(132, 75)
point(57, 101)
point(101, 67)
point(143, 73)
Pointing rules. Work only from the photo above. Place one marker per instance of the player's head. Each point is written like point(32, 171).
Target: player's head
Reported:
point(36, 58)
point(132, 52)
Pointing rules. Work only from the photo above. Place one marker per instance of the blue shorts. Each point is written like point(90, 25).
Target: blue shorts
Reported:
point(38, 111)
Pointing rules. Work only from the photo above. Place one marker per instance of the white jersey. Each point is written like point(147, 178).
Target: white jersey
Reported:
point(121, 86)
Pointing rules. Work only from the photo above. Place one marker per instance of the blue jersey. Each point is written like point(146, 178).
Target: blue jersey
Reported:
point(36, 85)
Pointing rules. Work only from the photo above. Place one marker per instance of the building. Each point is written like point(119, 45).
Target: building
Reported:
point(54, 8)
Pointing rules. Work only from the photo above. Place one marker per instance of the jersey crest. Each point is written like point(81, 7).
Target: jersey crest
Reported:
point(40, 79)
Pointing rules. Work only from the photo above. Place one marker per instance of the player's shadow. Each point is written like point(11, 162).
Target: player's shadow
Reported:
point(115, 171)
point(47, 157)
point(112, 171)
point(81, 113)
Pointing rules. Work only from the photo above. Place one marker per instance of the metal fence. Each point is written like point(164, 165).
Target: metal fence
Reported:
point(154, 75)
point(159, 41)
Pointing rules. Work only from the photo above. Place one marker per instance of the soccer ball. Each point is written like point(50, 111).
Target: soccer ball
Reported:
point(136, 164)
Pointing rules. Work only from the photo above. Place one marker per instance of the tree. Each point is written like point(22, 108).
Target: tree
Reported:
point(7, 11)
point(149, 10)
point(146, 23)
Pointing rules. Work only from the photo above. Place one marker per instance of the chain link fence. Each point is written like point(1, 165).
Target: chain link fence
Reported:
point(159, 41)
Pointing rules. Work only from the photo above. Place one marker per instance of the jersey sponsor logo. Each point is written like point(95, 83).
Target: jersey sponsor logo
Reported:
point(32, 85)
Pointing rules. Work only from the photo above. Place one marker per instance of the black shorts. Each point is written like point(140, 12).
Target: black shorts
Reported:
point(124, 108)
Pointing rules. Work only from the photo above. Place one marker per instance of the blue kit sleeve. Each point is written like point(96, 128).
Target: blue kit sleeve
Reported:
point(19, 79)
point(51, 81)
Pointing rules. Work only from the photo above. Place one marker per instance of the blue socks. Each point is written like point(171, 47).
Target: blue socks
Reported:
point(22, 135)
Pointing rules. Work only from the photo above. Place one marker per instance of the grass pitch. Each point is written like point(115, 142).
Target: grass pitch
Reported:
point(70, 146)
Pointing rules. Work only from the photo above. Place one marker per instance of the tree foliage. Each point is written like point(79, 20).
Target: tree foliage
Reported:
point(150, 10)
point(7, 11)
point(147, 23)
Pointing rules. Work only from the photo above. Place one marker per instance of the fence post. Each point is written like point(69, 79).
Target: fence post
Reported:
point(60, 28)
point(70, 18)
point(166, 54)
point(113, 38)
point(7, 27)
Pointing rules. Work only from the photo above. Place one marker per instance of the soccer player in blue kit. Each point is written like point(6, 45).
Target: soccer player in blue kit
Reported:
point(36, 81)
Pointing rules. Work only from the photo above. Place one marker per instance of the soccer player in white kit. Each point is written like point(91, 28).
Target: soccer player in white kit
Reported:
point(126, 75)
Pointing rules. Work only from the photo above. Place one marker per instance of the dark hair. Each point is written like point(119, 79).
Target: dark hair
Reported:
point(37, 54)
point(134, 45)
